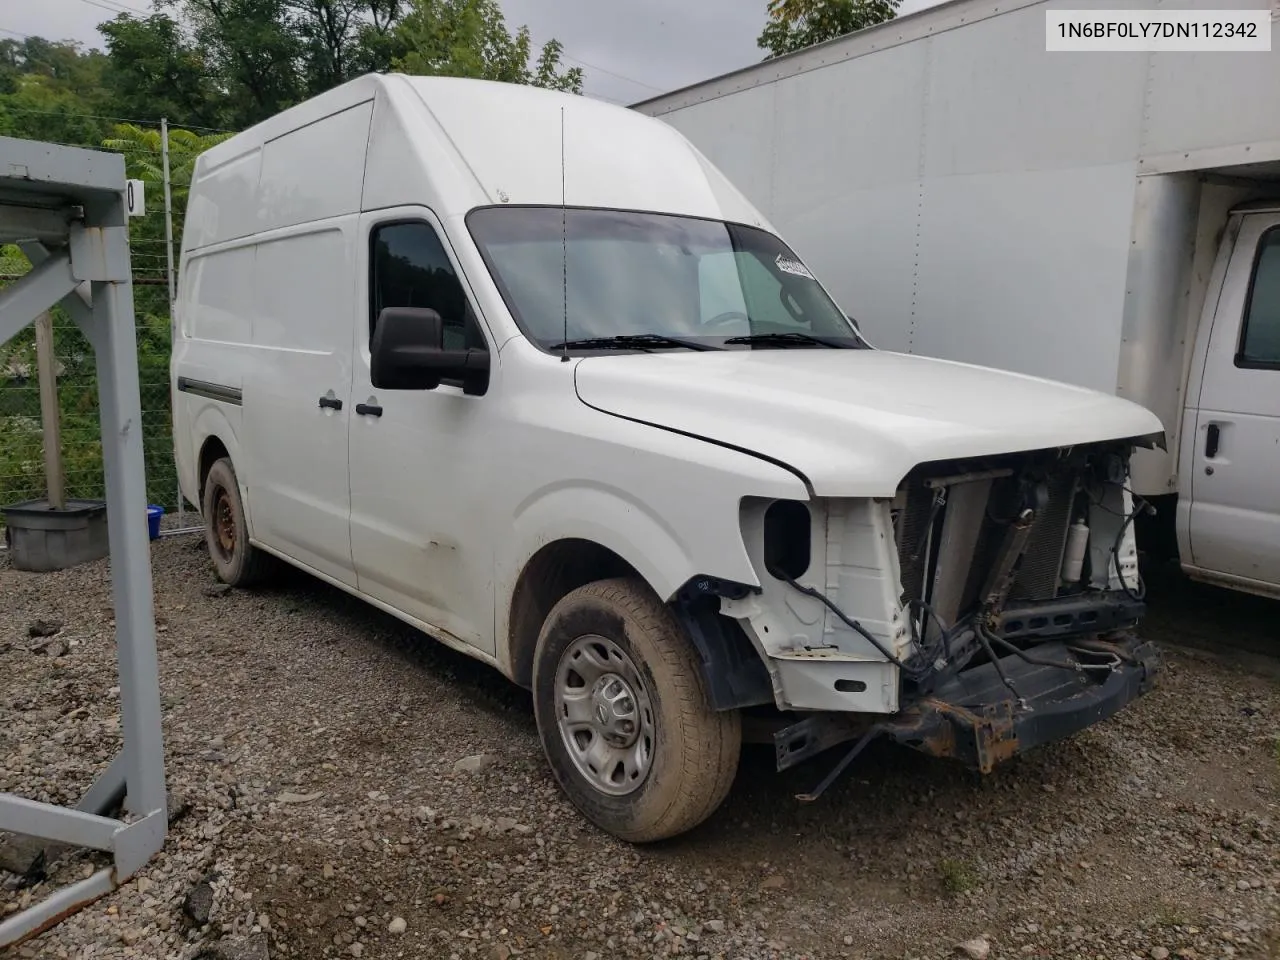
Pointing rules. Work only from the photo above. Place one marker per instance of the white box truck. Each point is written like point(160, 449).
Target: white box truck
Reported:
point(525, 371)
point(1105, 219)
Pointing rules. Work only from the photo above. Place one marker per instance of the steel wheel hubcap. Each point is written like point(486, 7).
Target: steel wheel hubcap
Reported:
point(604, 714)
point(224, 523)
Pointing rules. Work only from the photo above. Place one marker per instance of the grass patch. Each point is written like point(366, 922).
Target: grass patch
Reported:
point(1169, 915)
point(958, 876)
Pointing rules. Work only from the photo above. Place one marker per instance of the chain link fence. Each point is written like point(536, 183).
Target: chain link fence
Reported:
point(22, 462)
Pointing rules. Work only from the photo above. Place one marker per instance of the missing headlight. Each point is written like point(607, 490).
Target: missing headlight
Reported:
point(787, 539)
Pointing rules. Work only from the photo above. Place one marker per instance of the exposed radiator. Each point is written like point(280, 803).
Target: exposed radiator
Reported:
point(1038, 575)
point(913, 525)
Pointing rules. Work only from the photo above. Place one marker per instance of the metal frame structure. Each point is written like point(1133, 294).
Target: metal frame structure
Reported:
point(66, 208)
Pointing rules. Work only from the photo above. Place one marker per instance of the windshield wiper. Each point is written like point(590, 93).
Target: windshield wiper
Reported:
point(631, 341)
point(794, 339)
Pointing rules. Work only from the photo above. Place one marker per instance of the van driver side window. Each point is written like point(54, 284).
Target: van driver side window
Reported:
point(409, 268)
point(1260, 340)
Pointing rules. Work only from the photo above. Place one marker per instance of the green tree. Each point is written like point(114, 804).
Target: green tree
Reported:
point(796, 24)
point(51, 91)
point(253, 49)
point(144, 155)
point(155, 71)
point(144, 160)
point(205, 65)
point(378, 44)
point(21, 461)
point(231, 63)
point(469, 38)
point(62, 65)
point(330, 32)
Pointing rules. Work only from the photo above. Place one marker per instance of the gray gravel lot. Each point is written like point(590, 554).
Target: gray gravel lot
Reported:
point(350, 789)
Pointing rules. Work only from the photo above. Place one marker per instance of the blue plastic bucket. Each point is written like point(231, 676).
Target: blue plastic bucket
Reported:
point(154, 513)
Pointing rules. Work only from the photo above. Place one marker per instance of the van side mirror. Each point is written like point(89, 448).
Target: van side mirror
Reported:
point(854, 323)
point(407, 353)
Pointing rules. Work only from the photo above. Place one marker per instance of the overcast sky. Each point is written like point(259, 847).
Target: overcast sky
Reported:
point(629, 49)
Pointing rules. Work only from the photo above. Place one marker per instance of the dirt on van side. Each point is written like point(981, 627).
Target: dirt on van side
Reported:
point(344, 787)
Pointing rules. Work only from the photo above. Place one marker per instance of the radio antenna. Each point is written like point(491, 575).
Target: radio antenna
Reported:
point(564, 247)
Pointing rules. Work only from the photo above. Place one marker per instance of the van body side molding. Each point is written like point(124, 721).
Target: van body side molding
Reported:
point(211, 391)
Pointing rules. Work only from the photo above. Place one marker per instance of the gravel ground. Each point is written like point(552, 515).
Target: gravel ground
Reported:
point(346, 788)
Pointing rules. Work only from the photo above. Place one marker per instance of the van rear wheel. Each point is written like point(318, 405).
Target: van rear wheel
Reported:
point(623, 715)
point(236, 561)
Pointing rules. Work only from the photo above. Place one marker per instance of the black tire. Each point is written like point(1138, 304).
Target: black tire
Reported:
point(236, 561)
point(695, 749)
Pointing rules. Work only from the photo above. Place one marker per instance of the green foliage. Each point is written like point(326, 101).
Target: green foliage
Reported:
point(21, 440)
point(154, 70)
point(958, 876)
point(144, 156)
point(796, 24)
point(469, 38)
point(46, 88)
point(1170, 915)
point(252, 49)
point(232, 63)
point(209, 66)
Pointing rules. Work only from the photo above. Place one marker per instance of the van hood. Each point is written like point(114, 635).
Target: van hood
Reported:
point(853, 422)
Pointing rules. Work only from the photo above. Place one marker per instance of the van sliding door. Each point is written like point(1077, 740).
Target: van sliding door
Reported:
point(296, 404)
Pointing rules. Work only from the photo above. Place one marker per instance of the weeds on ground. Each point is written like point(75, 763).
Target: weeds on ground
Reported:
point(958, 876)
point(1169, 915)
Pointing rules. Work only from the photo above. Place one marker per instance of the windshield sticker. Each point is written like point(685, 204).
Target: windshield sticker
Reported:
point(788, 265)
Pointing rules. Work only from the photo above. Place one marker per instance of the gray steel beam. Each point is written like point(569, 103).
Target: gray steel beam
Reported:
point(25, 299)
point(135, 843)
point(41, 224)
point(107, 790)
point(100, 253)
point(49, 166)
point(60, 903)
point(32, 818)
point(39, 178)
point(120, 410)
point(75, 303)
point(105, 794)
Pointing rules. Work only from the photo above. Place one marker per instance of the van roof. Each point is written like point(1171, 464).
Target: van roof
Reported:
point(455, 144)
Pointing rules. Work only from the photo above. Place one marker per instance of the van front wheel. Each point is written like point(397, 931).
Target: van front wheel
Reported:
point(236, 561)
point(624, 717)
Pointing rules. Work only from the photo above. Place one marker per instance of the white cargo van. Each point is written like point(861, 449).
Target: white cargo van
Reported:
point(1106, 219)
point(526, 371)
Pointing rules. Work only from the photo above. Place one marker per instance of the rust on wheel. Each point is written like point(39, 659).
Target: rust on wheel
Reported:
point(224, 523)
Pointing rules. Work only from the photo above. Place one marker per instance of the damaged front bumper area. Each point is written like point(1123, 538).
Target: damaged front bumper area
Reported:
point(975, 718)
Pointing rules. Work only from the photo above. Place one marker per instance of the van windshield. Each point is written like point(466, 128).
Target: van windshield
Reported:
point(652, 281)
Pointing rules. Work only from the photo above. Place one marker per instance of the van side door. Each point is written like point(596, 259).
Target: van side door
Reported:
point(1234, 514)
point(421, 460)
point(296, 405)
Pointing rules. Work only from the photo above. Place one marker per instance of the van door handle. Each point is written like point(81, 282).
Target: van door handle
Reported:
point(1212, 436)
point(331, 403)
point(368, 410)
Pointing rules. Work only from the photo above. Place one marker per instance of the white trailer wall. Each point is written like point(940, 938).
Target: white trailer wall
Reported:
point(920, 180)
point(966, 194)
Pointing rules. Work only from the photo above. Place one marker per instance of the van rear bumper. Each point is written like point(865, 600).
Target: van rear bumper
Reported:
point(976, 719)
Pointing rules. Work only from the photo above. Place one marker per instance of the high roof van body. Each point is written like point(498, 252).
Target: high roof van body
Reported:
point(526, 371)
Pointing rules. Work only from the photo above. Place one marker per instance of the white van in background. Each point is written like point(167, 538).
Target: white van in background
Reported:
point(523, 369)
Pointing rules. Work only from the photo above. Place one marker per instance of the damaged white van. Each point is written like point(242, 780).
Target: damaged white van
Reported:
point(523, 369)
